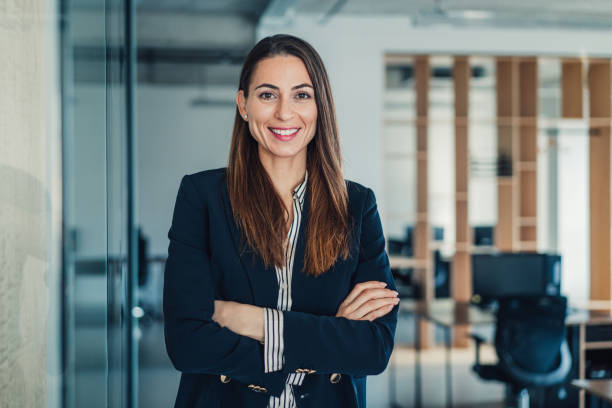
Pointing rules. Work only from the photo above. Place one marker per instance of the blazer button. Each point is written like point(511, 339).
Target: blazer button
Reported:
point(257, 388)
point(335, 378)
point(224, 379)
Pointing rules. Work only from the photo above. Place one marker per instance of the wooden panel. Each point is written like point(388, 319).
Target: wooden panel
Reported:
point(527, 194)
point(528, 234)
point(504, 231)
point(461, 83)
point(462, 231)
point(461, 281)
point(462, 274)
point(528, 85)
point(599, 180)
point(571, 88)
point(528, 143)
point(462, 165)
point(421, 77)
point(461, 284)
point(599, 197)
point(505, 149)
point(422, 189)
point(527, 154)
point(422, 230)
point(421, 137)
point(506, 87)
point(599, 88)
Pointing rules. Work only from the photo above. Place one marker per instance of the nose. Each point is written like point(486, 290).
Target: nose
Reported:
point(284, 110)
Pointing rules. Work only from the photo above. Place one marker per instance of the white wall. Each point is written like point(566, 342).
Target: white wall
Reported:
point(174, 139)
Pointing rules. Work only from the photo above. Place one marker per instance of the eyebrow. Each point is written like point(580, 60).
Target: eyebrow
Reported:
point(276, 87)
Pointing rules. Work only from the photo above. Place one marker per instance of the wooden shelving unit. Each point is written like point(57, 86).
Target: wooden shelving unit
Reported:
point(517, 129)
point(422, 230)
point(507, 88)
point(528, 154)
point(599, 178)
point(461, 266)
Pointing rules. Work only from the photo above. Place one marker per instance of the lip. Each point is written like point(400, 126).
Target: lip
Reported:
point(285, 138)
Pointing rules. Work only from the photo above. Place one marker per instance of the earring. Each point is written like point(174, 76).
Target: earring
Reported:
point(245, 116)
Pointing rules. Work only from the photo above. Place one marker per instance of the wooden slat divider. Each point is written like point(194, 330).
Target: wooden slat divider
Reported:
point(422, 229)
point(599, 179)
point(461, 281)
point(571, 88)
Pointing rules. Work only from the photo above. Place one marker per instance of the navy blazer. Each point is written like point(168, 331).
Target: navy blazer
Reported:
point(207, 260)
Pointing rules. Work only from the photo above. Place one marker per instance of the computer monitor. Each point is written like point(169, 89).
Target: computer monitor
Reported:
point(483, 235)
point(495, 276)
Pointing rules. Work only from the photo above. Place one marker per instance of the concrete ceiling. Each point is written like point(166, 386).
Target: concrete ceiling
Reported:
point(205, 41)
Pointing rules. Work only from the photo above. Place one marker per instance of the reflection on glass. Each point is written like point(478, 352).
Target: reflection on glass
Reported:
point(85, 205)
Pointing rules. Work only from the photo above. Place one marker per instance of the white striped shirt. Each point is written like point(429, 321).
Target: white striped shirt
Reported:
point(273, 318)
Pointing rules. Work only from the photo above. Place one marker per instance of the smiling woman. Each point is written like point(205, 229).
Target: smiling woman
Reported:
point(282, 116)
point(277, 284)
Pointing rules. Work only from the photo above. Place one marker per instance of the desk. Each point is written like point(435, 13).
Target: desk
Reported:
point(587, 322)
point(447, 314)
point(599, 388)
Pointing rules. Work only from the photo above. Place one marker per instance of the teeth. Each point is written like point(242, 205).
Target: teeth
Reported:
point(284, 132)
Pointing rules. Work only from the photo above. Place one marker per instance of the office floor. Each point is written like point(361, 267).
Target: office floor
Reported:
point(158, 382)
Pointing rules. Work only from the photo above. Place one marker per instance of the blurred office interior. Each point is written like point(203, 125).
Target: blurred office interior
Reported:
point(483, 128)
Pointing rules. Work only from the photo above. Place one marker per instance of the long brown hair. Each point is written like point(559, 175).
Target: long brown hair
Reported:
point(257, 208)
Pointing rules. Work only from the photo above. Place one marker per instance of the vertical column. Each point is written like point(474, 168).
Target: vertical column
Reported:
point(571, 88)
point(422, 230)
point(599, 178)
point(507, 153)
point(528, 154)
point(461, 269)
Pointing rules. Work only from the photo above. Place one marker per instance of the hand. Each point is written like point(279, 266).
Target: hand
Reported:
point(246, 320)
point(368, 301)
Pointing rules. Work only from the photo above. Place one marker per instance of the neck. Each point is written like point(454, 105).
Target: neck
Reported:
point(286, 173)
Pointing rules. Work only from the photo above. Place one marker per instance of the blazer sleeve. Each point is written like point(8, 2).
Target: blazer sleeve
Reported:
point(331, 344)
point(195, 343)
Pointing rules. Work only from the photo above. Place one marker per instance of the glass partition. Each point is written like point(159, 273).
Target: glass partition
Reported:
point(99, 327)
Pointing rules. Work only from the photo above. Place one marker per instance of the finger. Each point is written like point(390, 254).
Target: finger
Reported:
point(375, 314)
point(360, 287)
point(374, 304)
point(368, 295)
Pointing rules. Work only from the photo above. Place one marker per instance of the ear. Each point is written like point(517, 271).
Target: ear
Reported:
point(241, 103)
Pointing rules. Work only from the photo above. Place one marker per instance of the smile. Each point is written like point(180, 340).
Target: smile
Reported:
point(284, 134)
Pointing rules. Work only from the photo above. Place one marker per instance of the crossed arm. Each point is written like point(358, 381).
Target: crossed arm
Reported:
point(367, 301)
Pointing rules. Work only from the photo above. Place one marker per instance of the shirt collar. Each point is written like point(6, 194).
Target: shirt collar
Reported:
point(299, 191)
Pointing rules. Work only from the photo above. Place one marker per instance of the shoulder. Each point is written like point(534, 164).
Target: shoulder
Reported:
point(203, 183)
point(361, 198)
point(206, 179)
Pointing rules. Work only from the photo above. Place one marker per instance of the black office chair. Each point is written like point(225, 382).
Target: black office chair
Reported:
point(531, 345)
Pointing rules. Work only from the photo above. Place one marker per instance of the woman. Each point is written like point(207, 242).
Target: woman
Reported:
point(274, 289)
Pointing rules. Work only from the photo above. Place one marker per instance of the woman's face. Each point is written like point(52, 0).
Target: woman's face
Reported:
point(281, 108)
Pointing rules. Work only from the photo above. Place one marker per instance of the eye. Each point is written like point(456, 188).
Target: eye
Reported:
point(266, 95)
point(303, 95)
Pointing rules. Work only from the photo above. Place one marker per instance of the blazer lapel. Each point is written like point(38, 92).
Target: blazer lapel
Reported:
point(262, 280)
